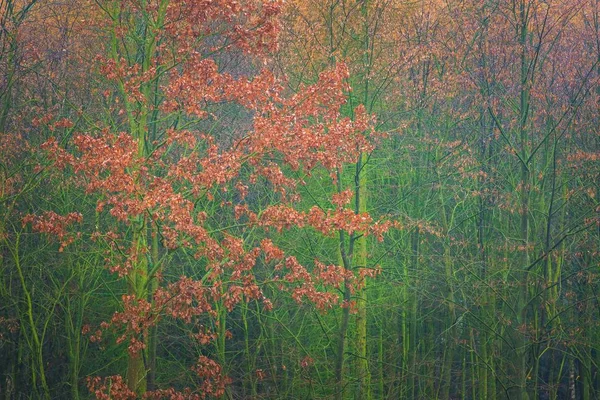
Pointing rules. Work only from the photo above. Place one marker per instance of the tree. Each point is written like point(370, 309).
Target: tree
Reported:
point(317, 34)
point(167, 178)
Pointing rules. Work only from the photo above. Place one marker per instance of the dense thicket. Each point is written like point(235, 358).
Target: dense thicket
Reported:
point(306, 199)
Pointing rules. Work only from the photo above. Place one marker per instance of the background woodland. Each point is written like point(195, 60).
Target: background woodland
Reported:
point(309, 199)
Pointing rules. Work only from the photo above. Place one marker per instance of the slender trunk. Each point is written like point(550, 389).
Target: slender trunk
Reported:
point(74, 324)
point(572, 384)
point(141, 366)
point(464, 378)
point(136, 363)
point(360, 261)
point(380, 361)
point(30, 330)
point(363, 391)
point(249, 383)
point(473, 364)
point(152, 333)
point(412, 344)
point(220, 342)
point(341, 345)
point(345, 255)
point(525, 189)
point(7, 95)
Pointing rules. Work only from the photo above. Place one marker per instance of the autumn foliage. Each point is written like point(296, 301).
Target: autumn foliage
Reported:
point(299, 199)
point(155, 184)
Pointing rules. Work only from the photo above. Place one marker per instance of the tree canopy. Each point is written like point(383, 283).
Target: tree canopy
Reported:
point(304, 199)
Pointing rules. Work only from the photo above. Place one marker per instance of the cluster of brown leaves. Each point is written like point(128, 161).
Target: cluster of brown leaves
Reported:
point(54, 225)
point(161, 183)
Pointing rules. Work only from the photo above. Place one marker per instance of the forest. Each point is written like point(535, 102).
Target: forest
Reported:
point(300, 199)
